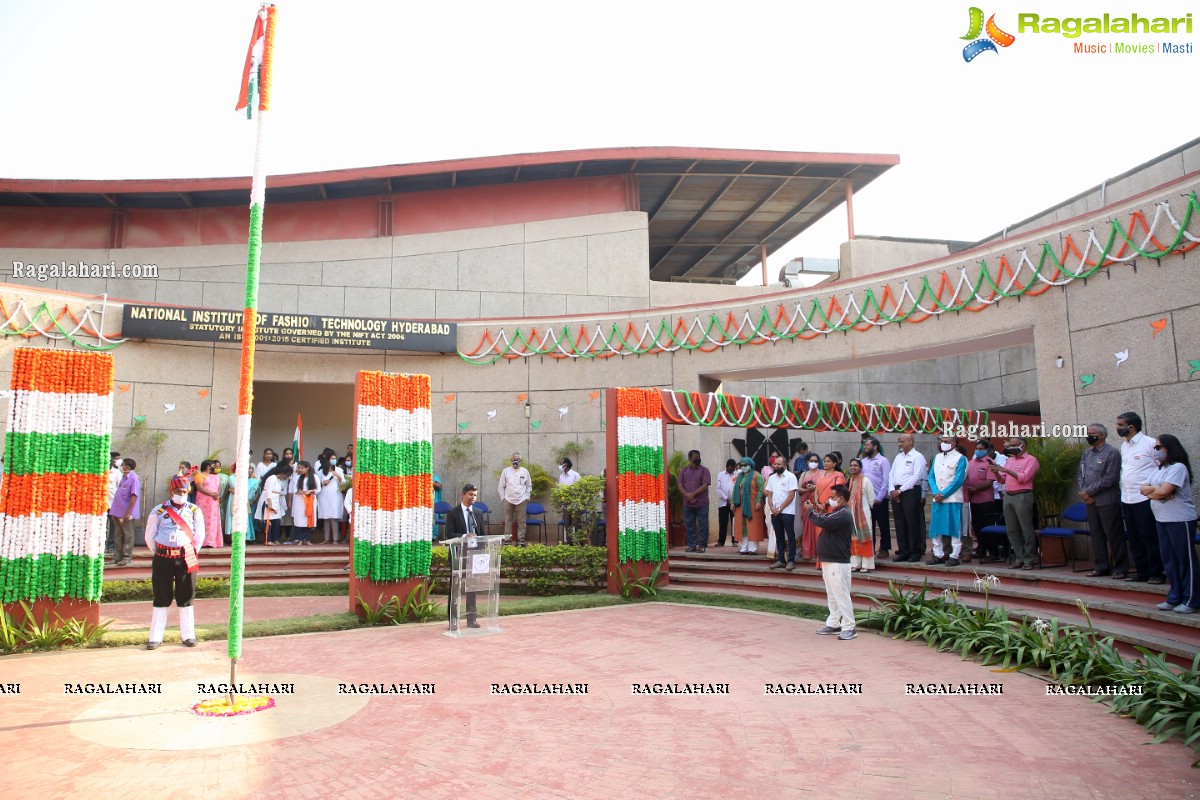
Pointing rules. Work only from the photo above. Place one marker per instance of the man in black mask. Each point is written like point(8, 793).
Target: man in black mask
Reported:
point(1100, 489)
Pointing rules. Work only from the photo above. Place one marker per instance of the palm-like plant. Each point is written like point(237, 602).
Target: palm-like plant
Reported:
point(675, 465)
point(1059, 465)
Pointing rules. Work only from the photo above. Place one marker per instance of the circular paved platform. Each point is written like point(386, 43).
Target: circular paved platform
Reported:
point(466, 741)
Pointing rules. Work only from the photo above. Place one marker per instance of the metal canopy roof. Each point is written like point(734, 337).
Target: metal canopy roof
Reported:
point(709, 209)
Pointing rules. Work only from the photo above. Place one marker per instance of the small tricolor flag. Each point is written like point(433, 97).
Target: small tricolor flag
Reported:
point(298, 442)
point(252, 84)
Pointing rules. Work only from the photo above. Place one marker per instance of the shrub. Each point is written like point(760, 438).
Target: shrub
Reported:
point(538, 569)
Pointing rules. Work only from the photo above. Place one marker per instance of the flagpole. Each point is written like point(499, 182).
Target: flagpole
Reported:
point(264, 35)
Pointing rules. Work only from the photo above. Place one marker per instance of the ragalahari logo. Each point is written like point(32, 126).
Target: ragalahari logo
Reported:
point(995, 36)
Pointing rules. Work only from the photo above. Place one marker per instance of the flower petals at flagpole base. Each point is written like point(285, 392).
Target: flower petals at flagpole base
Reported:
point(393, 477)
point(53, 501)
point(641, 496)
point(242, 705)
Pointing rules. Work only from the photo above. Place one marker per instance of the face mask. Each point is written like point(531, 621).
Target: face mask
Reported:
point(980, 453)
point(179, 499)
point(1160, 456)
point(778, 470)
point(946, 448)
point(565, 467)
point(812, 465)
point(696, 461)
point(834, 503)
point(1092, 439)
point(1122, 431)
point(743, 468)
point(1012, 451)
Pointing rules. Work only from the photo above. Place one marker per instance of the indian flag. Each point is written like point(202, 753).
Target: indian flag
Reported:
point(251, 73)
point(298, 441)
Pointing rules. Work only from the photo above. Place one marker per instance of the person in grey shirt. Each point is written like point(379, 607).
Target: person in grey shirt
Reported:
point(1100, 489)
point(1169, 491)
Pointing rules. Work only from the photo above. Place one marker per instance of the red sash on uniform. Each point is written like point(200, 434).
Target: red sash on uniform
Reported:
point(189, 551)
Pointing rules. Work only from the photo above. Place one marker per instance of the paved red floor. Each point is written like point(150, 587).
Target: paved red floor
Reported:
point(464, 742)
point(215, 610)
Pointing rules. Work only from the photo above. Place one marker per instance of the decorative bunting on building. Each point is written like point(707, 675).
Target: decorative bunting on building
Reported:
point(745, 411)
point(641, 478)
point(1084, 253)
point(53, 502)
point(393, 477)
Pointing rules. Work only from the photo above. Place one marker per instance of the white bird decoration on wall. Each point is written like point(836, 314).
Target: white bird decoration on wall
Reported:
point(491, 415)
point(562, 411)
point(1122, 356)
point(168, 408)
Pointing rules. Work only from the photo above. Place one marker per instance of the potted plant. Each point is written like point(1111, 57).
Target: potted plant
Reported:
point(580, 504)
point(1056, 477)
point(676, 534)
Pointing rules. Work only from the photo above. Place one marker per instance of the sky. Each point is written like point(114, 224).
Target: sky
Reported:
point(146, 90)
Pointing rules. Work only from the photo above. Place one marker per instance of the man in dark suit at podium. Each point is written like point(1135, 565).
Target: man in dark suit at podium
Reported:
point(463, 520)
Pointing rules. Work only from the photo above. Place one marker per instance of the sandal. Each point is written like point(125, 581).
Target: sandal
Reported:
point(1095, 574)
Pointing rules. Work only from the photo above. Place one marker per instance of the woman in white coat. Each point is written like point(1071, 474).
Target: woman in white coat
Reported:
point(304, 504)
point(329, 497)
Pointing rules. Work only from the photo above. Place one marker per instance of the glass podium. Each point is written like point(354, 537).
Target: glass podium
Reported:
point(474, 606)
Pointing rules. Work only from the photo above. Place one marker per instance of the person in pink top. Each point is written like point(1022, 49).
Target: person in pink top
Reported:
point(1017, 476)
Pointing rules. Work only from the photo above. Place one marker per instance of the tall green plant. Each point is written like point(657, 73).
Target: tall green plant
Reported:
point(675, 465)
point(581, 504)
point(459, 457)
point(1059, 465)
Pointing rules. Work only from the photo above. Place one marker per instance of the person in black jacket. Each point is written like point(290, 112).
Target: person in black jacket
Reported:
point(464, 520)
point(833, 551)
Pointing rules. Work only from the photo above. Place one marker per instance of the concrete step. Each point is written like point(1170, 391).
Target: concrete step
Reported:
point(1124, 623)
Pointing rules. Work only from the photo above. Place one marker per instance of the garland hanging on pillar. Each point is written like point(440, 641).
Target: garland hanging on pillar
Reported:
point(53, 502)
point(393, 477)
point(641, 485)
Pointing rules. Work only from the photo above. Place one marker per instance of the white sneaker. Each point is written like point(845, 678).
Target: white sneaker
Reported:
point(846, 636)
point(1184, 608)
point(1165, 607)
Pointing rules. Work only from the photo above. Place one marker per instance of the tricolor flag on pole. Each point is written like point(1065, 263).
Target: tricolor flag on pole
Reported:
point(256, 80)
point(252, 71)
point(298, 441)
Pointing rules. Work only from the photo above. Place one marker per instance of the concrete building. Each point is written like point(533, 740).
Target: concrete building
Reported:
point(570, 273)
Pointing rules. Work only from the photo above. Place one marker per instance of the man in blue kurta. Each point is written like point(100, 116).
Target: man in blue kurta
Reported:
point(946, 478)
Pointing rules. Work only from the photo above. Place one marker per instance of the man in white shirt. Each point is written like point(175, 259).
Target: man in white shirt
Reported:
point(114, 480)
point(725, 481)
point(567, 474)
point(1137, 465)
point(516, 487)
point(908, 472)
point(781, 510)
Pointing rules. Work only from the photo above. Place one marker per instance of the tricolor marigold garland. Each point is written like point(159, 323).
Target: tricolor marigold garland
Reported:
point(393, 477)
point(641, 487)
point(53, 500)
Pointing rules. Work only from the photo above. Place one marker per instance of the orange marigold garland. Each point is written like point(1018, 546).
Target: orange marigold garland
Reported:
point(53, 501)
point(641, 494)
point(393, 477)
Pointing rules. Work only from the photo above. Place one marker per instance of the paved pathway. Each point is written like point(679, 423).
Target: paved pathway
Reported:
point(464, 742)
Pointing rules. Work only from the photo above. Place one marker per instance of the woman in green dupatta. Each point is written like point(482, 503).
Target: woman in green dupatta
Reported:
point(749, 494)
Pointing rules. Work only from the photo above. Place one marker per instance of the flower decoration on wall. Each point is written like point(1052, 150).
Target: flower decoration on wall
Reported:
point(53, 502)
point(641, 476)
point(393, 477)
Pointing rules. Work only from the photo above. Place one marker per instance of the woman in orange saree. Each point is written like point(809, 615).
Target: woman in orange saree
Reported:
point(808, 483)
point(862, 497)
